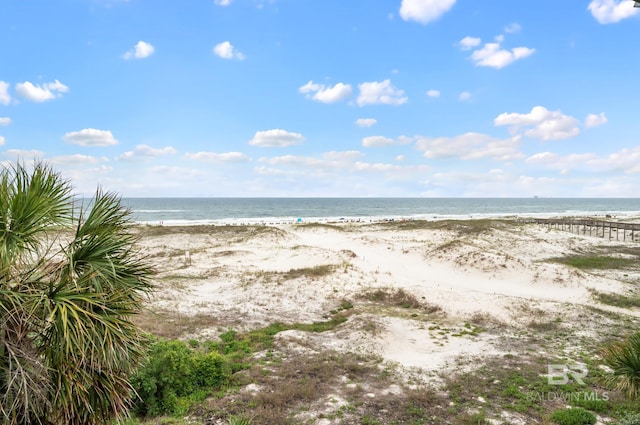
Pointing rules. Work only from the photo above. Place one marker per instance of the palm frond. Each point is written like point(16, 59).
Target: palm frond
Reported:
point(624, 359)
point(32, 205)
point(67, 341)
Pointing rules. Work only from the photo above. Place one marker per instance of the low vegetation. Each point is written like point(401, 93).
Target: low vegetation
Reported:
point(178, 375)
point(398, 297)
point(460, 227)
point(575, 416)
point(596, 262)
point(617, 300)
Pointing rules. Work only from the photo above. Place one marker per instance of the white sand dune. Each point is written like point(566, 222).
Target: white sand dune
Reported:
point(499, 275)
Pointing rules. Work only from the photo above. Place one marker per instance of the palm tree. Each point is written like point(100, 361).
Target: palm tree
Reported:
point(70, 283)
point(624, 360)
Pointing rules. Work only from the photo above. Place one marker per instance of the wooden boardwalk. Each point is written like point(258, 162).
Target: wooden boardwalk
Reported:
point(599, 228)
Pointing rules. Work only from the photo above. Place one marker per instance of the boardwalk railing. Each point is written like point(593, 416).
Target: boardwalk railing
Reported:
point(600, 228)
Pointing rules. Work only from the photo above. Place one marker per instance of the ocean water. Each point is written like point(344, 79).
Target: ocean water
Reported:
point(284, 210)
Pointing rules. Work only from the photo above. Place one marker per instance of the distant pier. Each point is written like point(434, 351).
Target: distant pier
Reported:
point(596, 228)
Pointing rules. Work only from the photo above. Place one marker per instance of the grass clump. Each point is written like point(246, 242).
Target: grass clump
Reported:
point(461, 227)
point(150, 230)
point(595, 262)
point(398, 298)
point(313, 272)
point(618, 300)
point(574, 416)
point(321, 226)
point(240, 420)
point(473, 419)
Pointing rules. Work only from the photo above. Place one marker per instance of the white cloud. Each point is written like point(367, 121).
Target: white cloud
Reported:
point(512, 28)
point(470, 146)
point(547, 125)
point(268, 171)
point(333, 164)
point(611, 11)
point(222, 2)
point(145, 151)
point(225, 50)
point(5, 120)
point(342, 155)
point(366, 122)
point(464, 96)
point(292, 160)
point(375, 166)
point(90, 137)
point(382, 92)
point(404, 140)
point(76, 159)
point(492, 55)
point(377, 141)
point(218, 157)
point(564, 164)
point(433, 93)
point(140, 51)
point(469, 43)
point(276, 138)
point(625, 160)
point(424, 11)
point(5, 98)
point(42, 93)
point(2, 140)
point(329, 160)
point(23, 154)
point(594, 120)
point(324, 94)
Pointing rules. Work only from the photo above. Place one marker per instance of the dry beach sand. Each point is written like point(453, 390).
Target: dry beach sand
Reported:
point(472, 290)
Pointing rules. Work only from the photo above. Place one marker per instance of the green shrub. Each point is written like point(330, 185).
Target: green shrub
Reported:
point(595, 405)
point(575, 416)
point(175, 376)
point(631, 420)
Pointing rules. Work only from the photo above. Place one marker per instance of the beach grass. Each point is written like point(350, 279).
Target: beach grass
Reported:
point(595, 262)
point(467, 227)
point(617, 300)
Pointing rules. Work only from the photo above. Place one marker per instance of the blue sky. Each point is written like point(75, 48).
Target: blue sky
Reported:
point(325, 97)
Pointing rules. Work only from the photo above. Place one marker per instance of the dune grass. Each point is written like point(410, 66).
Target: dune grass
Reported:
point(618, 300)
point(595, 262)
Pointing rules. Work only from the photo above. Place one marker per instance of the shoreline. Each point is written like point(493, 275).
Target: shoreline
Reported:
point(630, 216)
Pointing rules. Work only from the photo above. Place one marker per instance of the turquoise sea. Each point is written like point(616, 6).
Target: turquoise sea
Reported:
point(282, 210)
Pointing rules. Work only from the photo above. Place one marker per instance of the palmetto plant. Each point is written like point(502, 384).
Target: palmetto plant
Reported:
point(70, 282)
point(624, 359)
